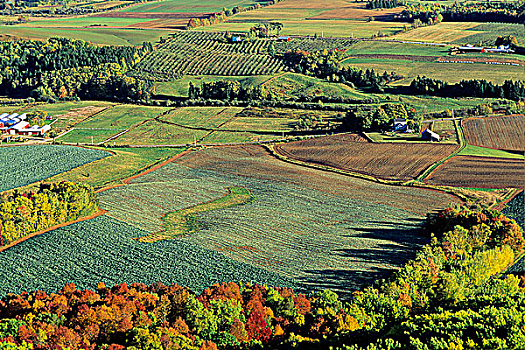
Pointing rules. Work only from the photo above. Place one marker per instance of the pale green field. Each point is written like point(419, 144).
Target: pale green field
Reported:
point(96, 35)
point(327, 28)
point(451, 72)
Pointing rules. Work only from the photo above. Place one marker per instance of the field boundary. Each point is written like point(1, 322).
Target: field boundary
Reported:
point(34, 234)
point(510, 196)
point(411, 183)
point(143, 171)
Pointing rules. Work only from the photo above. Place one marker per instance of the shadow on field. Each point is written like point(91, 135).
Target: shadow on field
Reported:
point(383, 251)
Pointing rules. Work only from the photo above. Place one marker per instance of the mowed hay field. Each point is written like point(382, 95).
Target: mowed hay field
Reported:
point(321, 229)
point(392, 161)
point(505, 132)
point(479, 172)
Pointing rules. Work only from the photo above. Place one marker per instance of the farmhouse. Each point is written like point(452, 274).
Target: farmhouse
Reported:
point(429, 135)
point(400, 124)
point(17, 124)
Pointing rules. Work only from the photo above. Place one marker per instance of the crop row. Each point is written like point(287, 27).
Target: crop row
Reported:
point(497, 132)
point(103, 249)
point(24, 165)
point(211, 63)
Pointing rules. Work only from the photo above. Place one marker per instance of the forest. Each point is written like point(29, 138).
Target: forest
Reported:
point(454, 294)
point(60, 67)
point(22, 214)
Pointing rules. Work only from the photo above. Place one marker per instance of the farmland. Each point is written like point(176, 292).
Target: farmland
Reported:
point(504, 132)
point(108, 123)
point(292, 212)
point(196, 53)
point(393, 161)
point(50, 260)
point(479, 172)
point(123, 163)
point(23, 165)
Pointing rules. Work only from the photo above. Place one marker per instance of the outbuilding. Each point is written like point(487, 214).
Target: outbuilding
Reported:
point(429, 135)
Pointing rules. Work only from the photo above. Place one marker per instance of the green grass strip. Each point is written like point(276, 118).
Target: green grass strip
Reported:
point(184, 221)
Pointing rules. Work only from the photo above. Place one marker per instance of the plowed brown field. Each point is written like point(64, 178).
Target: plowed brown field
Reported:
point(504, 132)
point(479, 172)
point(392, 161)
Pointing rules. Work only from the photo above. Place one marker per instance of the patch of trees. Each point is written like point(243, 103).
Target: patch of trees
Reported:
point(381, 118)
point(62, 68)
point(512, 90)
point(497, 11)
point(453, 294)
point(24, 213)
point(383, 4)
point(326, 64)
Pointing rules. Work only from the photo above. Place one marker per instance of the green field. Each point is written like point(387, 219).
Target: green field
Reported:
point(451, 72)
point(183, 6)
point(123, 163)
point(334, 28)
point(293, 212)
point(88, 136)
point(470, 150)
point(96, 35)
point(103, 249)
point(463, 32)
point(24, 165)
point(297, 85)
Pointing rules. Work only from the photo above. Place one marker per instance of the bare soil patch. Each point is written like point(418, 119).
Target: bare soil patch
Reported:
point(390, 161)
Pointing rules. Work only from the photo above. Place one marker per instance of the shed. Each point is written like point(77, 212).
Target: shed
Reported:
point(429, 135)
point(237, 39)
point(284, 38)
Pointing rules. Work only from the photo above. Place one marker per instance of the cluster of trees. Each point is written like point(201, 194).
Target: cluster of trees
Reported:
point(383, 4)
point(60, 68)
point(326, 64)
point(497, 11)
point(512, 42)
point(226, 90)
point(381, 118)
point(512, 90)
point(24, 213)
point(219, 17)
point(265, 30)
point(453, 295)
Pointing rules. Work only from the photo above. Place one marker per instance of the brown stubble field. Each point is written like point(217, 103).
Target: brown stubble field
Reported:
point(390, 161)
point(502, 132)
point(479, 172)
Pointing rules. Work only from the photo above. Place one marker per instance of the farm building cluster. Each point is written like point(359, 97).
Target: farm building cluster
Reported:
point(481, 49)
point(17, 124)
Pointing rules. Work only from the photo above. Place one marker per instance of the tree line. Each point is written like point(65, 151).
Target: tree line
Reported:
point(60, 68)
point(383, 4)
point(453, 295)
point(24, 213)
point(493, 11)
point(512, 90)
